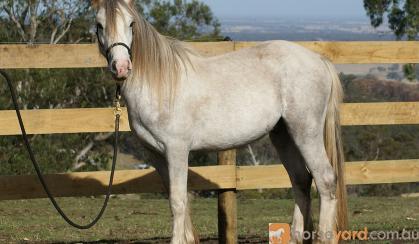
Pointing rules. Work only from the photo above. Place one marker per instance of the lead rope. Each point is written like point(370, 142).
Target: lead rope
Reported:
point(117, 113)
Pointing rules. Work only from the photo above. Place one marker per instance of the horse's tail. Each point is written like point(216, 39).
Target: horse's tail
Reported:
point(333, 145)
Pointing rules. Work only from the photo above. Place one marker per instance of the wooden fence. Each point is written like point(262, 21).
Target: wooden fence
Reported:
point(227, 178)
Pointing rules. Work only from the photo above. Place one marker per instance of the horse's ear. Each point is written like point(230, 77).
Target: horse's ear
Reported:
point(95, 3)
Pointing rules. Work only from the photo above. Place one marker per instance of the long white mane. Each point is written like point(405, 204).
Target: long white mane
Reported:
point(157, 60)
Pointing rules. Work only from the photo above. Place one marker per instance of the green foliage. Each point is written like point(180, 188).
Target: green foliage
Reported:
point(403, 19)
point(55, 154)
point(410, 71)
point(46, 21)
point(41, 20)
point(56, 88)
point(403, 16)
point(185, 20)
point(375, 10)
point(366, 143)
point(59, 88)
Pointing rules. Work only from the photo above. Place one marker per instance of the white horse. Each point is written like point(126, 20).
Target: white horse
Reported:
point(276, 235)
point(179, 101)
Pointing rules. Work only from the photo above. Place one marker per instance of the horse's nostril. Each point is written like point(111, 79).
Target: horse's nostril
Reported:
point(114, 66)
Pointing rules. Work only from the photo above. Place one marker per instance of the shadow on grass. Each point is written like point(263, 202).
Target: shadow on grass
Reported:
point(83, 184)
point(63, 185)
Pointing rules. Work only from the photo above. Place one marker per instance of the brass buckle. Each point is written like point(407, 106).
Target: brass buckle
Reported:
point(117, 110)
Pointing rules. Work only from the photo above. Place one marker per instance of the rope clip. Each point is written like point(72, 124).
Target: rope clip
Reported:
point(117, 110)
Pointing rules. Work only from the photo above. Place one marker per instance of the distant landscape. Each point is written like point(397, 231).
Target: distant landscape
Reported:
point(261, 29)
point(332, 29)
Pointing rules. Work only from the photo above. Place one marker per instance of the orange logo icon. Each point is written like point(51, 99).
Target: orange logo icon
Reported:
point(279, 233)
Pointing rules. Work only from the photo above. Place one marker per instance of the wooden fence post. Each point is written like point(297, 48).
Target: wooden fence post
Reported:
point(227, 205)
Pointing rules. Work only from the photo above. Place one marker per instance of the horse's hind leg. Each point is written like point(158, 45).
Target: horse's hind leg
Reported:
point(300, 179)
point(307, 134)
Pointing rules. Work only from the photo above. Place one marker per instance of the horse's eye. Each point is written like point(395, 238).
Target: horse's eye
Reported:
point(132, 24)
point(99, 26)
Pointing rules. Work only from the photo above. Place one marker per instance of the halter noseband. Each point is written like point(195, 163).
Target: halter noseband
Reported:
point(108, 50)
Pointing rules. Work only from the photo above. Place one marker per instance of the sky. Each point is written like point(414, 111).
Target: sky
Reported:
point(318, 9)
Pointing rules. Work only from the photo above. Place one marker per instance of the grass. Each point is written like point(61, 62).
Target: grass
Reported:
point(130, 218)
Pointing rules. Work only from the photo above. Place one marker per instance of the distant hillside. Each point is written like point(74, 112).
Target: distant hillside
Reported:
point(262, 29)
point(371, 89)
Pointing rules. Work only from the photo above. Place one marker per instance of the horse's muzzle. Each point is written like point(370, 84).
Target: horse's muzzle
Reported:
point(121, 69)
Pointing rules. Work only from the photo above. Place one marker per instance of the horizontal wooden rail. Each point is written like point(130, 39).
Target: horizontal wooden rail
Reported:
point(49, 121)
point(385, 113)
point(357, 173)
point(125, 182)
point(357, 52)
point(200, 178)
point(87, 55)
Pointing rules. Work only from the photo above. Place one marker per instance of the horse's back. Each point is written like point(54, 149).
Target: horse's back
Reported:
point(279, 50)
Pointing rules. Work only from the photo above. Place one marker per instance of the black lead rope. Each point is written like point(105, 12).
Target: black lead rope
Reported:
point(38, 171)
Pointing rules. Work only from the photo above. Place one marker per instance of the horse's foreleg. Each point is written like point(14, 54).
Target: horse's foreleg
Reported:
point(177, 165)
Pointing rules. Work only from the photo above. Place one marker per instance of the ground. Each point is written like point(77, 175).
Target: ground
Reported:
point(133, 219)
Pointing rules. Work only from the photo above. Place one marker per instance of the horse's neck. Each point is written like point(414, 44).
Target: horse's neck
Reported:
point(139, 91)
point(141, 99)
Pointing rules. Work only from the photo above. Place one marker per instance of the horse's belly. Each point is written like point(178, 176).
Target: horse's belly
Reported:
point(237, 128)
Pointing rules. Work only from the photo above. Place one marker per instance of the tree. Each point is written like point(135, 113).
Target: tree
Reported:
point(403, 20)
point(72, 20)
point(42, 20)
point(185, 20)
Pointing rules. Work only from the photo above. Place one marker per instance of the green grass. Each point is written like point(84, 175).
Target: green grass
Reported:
point(130, 218)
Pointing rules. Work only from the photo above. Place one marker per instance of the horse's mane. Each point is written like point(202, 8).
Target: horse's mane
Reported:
point(156, 59)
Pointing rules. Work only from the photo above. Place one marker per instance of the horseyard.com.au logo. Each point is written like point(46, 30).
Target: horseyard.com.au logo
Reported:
point(279, 233)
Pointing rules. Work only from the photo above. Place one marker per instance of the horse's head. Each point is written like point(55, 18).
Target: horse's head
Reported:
point(114, 29)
